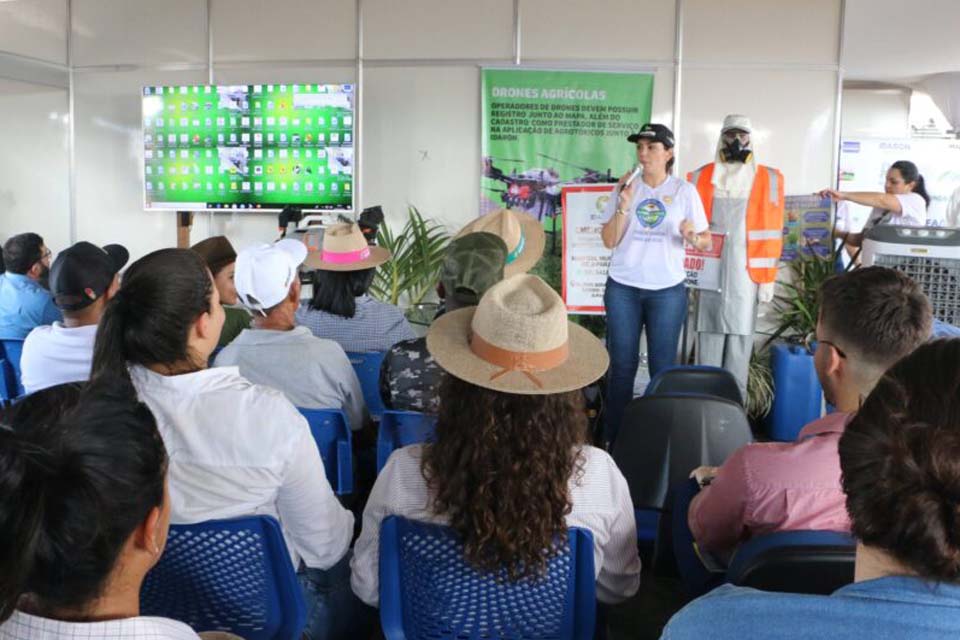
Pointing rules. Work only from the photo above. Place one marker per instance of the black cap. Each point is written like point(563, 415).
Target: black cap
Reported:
point(654, 133)
point(83, 273)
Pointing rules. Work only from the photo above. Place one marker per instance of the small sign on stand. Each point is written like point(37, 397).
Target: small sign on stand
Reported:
point(703, 267)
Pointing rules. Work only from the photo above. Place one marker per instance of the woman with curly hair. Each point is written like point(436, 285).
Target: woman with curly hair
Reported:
point(510, 469)
point(900, 459)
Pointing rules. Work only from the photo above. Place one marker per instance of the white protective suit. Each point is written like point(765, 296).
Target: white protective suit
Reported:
point(726, 320)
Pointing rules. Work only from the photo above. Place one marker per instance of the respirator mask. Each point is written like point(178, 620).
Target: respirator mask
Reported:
point(736, 146)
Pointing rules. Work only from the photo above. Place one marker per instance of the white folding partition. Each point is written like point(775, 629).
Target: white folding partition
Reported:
point(753, 58)
point(34, 163)
point(36, 29)
point(792, 113)
point(109, 160)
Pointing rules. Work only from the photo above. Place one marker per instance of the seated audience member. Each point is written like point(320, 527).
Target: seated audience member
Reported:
point(220, 258)
point(869, 319)
point(341, 309)
point(510, 468)
point(236, 448)
point(25, 302)
point(84, 516)
point(82, 279)
point(523, 235)
point(900, 458)
point(409, 377)
point(312, 372)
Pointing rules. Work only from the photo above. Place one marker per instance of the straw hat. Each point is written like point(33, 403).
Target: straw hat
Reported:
point(345, 249)
point(522, 233)
point(517, 340)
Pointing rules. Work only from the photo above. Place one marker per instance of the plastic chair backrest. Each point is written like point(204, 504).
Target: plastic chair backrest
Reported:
point(664, 437)
point(228, 575)
point(367, 366)
point(428, 590)
point(817, 562)
point(401, 428)
point(700, 380)
point(331, 431)
point(12, 386)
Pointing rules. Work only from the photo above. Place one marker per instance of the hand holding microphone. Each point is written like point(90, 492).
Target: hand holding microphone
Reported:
point(625, 185)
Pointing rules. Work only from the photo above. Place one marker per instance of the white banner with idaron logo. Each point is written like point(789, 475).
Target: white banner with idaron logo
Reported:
point(586, 261)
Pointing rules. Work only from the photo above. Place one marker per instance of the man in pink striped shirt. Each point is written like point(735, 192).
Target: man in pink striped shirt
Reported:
point(869, 319)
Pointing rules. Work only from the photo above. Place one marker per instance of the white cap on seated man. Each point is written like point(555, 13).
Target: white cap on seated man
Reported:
point(312, 372)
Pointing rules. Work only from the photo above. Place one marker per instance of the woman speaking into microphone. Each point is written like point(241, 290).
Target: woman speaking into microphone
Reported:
point(646, 223)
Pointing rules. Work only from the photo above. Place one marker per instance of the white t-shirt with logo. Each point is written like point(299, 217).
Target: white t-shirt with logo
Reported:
point(913, 213)
point(54, 354)
point(650, 254)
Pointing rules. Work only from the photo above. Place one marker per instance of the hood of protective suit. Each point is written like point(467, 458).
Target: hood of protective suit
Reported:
point(736, 178)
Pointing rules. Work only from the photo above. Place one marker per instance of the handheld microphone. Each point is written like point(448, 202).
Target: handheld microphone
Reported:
point(633, 176)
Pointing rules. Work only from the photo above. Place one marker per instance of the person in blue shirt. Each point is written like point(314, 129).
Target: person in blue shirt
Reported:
point(900, 458)
point(25, 301)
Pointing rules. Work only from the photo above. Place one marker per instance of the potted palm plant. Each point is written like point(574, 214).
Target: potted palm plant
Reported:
point(409, 278)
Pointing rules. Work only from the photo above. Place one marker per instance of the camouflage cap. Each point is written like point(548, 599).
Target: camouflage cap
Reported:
point(474, 262)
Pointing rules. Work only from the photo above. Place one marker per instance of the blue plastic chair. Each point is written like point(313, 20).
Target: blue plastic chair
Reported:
point(401, 428)
point(228, 575)
point(427, 589)
point(367, 366)
point(10, 380)
point(696, 379)
point(331, 431)
point(816, 562)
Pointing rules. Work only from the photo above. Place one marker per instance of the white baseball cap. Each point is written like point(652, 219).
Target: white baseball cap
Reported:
point(265, 272)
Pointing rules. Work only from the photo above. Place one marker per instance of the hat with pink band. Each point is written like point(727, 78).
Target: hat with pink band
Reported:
point(345, 249)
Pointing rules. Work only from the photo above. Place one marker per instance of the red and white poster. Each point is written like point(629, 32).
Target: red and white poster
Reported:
point(703, 267)
point(585, 259)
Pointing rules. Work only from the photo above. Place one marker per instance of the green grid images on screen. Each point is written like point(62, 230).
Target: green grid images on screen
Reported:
point(248, 146)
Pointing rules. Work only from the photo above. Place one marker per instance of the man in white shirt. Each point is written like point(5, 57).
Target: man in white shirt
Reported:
point(312, 372)
point(83, 279)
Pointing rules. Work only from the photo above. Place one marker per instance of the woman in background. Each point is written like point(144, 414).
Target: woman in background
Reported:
point(341, 309)
point(904, 201)
point(221, 259)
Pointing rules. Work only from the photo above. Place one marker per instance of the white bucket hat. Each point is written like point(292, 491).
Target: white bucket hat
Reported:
point(265, 272)
point(518, 340)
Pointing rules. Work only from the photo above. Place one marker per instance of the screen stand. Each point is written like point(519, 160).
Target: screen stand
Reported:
point(184, 222)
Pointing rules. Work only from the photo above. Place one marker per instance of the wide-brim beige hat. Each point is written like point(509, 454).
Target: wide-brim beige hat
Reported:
point(517, 340)
point(345, 249)
point(522, 233)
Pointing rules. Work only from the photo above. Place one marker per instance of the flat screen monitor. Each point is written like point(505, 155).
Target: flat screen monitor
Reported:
point(257, 146)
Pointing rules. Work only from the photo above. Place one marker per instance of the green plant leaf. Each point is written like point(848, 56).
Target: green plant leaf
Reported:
point(417, 252)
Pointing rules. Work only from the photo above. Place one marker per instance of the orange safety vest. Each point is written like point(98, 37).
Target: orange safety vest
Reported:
point(764, 218)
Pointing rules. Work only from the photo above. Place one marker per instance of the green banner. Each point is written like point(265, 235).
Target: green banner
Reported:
point(542, 129)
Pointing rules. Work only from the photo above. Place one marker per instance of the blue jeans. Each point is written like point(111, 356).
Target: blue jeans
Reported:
point(333, 611)
point(629, 311)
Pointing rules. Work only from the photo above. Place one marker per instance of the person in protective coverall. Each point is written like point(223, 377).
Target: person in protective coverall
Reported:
point(744, 201)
